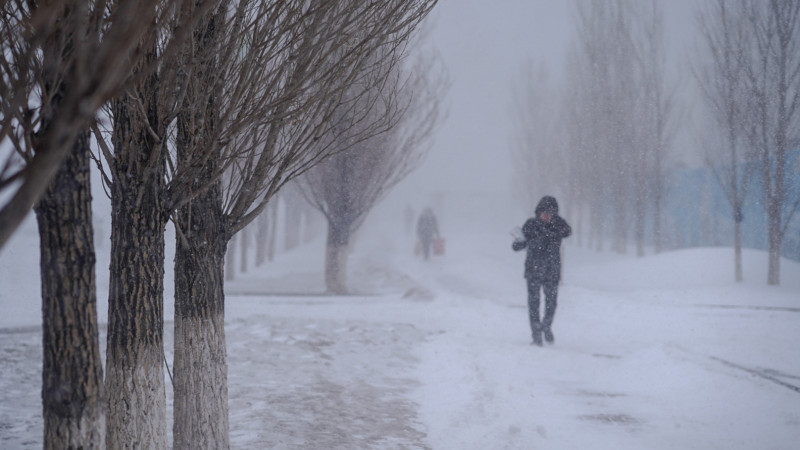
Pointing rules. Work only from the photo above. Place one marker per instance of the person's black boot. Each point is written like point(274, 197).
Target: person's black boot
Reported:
point(537, 336)
point(548, 336)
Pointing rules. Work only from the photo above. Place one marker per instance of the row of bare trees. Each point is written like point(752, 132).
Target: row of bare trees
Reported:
point(603, 141)
point(607, 146)
point(209, 107)
point(67, 58)
point(749, 72)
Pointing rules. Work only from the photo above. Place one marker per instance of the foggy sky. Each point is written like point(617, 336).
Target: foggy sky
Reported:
point(485, 45)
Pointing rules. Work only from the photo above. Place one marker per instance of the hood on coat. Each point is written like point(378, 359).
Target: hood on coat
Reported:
point(547, 203)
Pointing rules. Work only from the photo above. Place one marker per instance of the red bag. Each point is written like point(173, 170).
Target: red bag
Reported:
point(438, 246)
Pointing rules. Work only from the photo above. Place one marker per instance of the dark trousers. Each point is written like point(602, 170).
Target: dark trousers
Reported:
point(426, 246)
point(550, 303)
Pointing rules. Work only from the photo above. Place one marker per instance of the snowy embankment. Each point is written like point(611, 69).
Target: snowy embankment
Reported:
point(657, 352)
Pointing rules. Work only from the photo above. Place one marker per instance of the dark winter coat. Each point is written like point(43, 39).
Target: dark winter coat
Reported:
point(543, 241)
point(427, 227)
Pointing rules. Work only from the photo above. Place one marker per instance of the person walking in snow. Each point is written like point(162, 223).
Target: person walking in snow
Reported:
point(542, 235)
point(427, 229)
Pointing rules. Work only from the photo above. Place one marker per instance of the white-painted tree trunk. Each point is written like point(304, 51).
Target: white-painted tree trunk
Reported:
point(201, 392)
point(138, 408)
point(336, 268)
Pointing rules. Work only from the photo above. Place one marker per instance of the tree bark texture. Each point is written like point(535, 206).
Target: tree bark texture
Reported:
point(134, 367)
point(201, 368)
point(136, 407)
point(72, 374)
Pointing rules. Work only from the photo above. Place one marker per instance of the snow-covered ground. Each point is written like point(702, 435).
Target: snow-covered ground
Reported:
point(659, 352)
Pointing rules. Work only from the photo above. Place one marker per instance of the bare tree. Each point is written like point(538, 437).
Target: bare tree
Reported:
point(773, 84)
point(721, 78)
point(539, 166)
point(72, 375)
point(617, 111)
point(345, 187)
point(624, 151)
point(266, 234)
point(582, 178)
point(165, 146)
point(134, 352)
point(294, 201)
point(654, 128)
point(136, 170)
point(62, 60)
point(93, 45)
point(604, 60)
point(245, 129)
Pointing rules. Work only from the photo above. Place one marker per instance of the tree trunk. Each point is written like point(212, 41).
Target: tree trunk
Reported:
point(640, 214)
point(597, 219)
point(72, 374)
point(775, 238)
point(230, 259)
point(620, 221)
point(293, 222)
point(244, 237)
point(314, 225)
point(657, 227)
point(201, 368)
point(336, 260)
point(737, 242)
point(273, 229)
point(200, 409)
point(136, 405)
point(134, 359)
point(262, 233)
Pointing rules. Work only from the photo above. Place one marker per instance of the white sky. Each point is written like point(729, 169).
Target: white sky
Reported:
point(485, 45)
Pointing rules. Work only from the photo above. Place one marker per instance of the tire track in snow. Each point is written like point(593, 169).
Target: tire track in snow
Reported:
point(764, 373)
point(760, 373)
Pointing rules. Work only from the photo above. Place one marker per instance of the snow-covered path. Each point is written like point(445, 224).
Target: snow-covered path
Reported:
point(661, 352)
point(653, 353)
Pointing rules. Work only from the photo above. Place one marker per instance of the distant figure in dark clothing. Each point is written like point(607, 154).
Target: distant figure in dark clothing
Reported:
point(427, 229)
point(542, 236)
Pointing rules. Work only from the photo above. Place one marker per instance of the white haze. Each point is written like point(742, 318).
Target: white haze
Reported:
point(661, 352)
point(485, 46)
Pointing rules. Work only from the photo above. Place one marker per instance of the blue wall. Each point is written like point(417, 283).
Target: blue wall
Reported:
point(699, 213)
